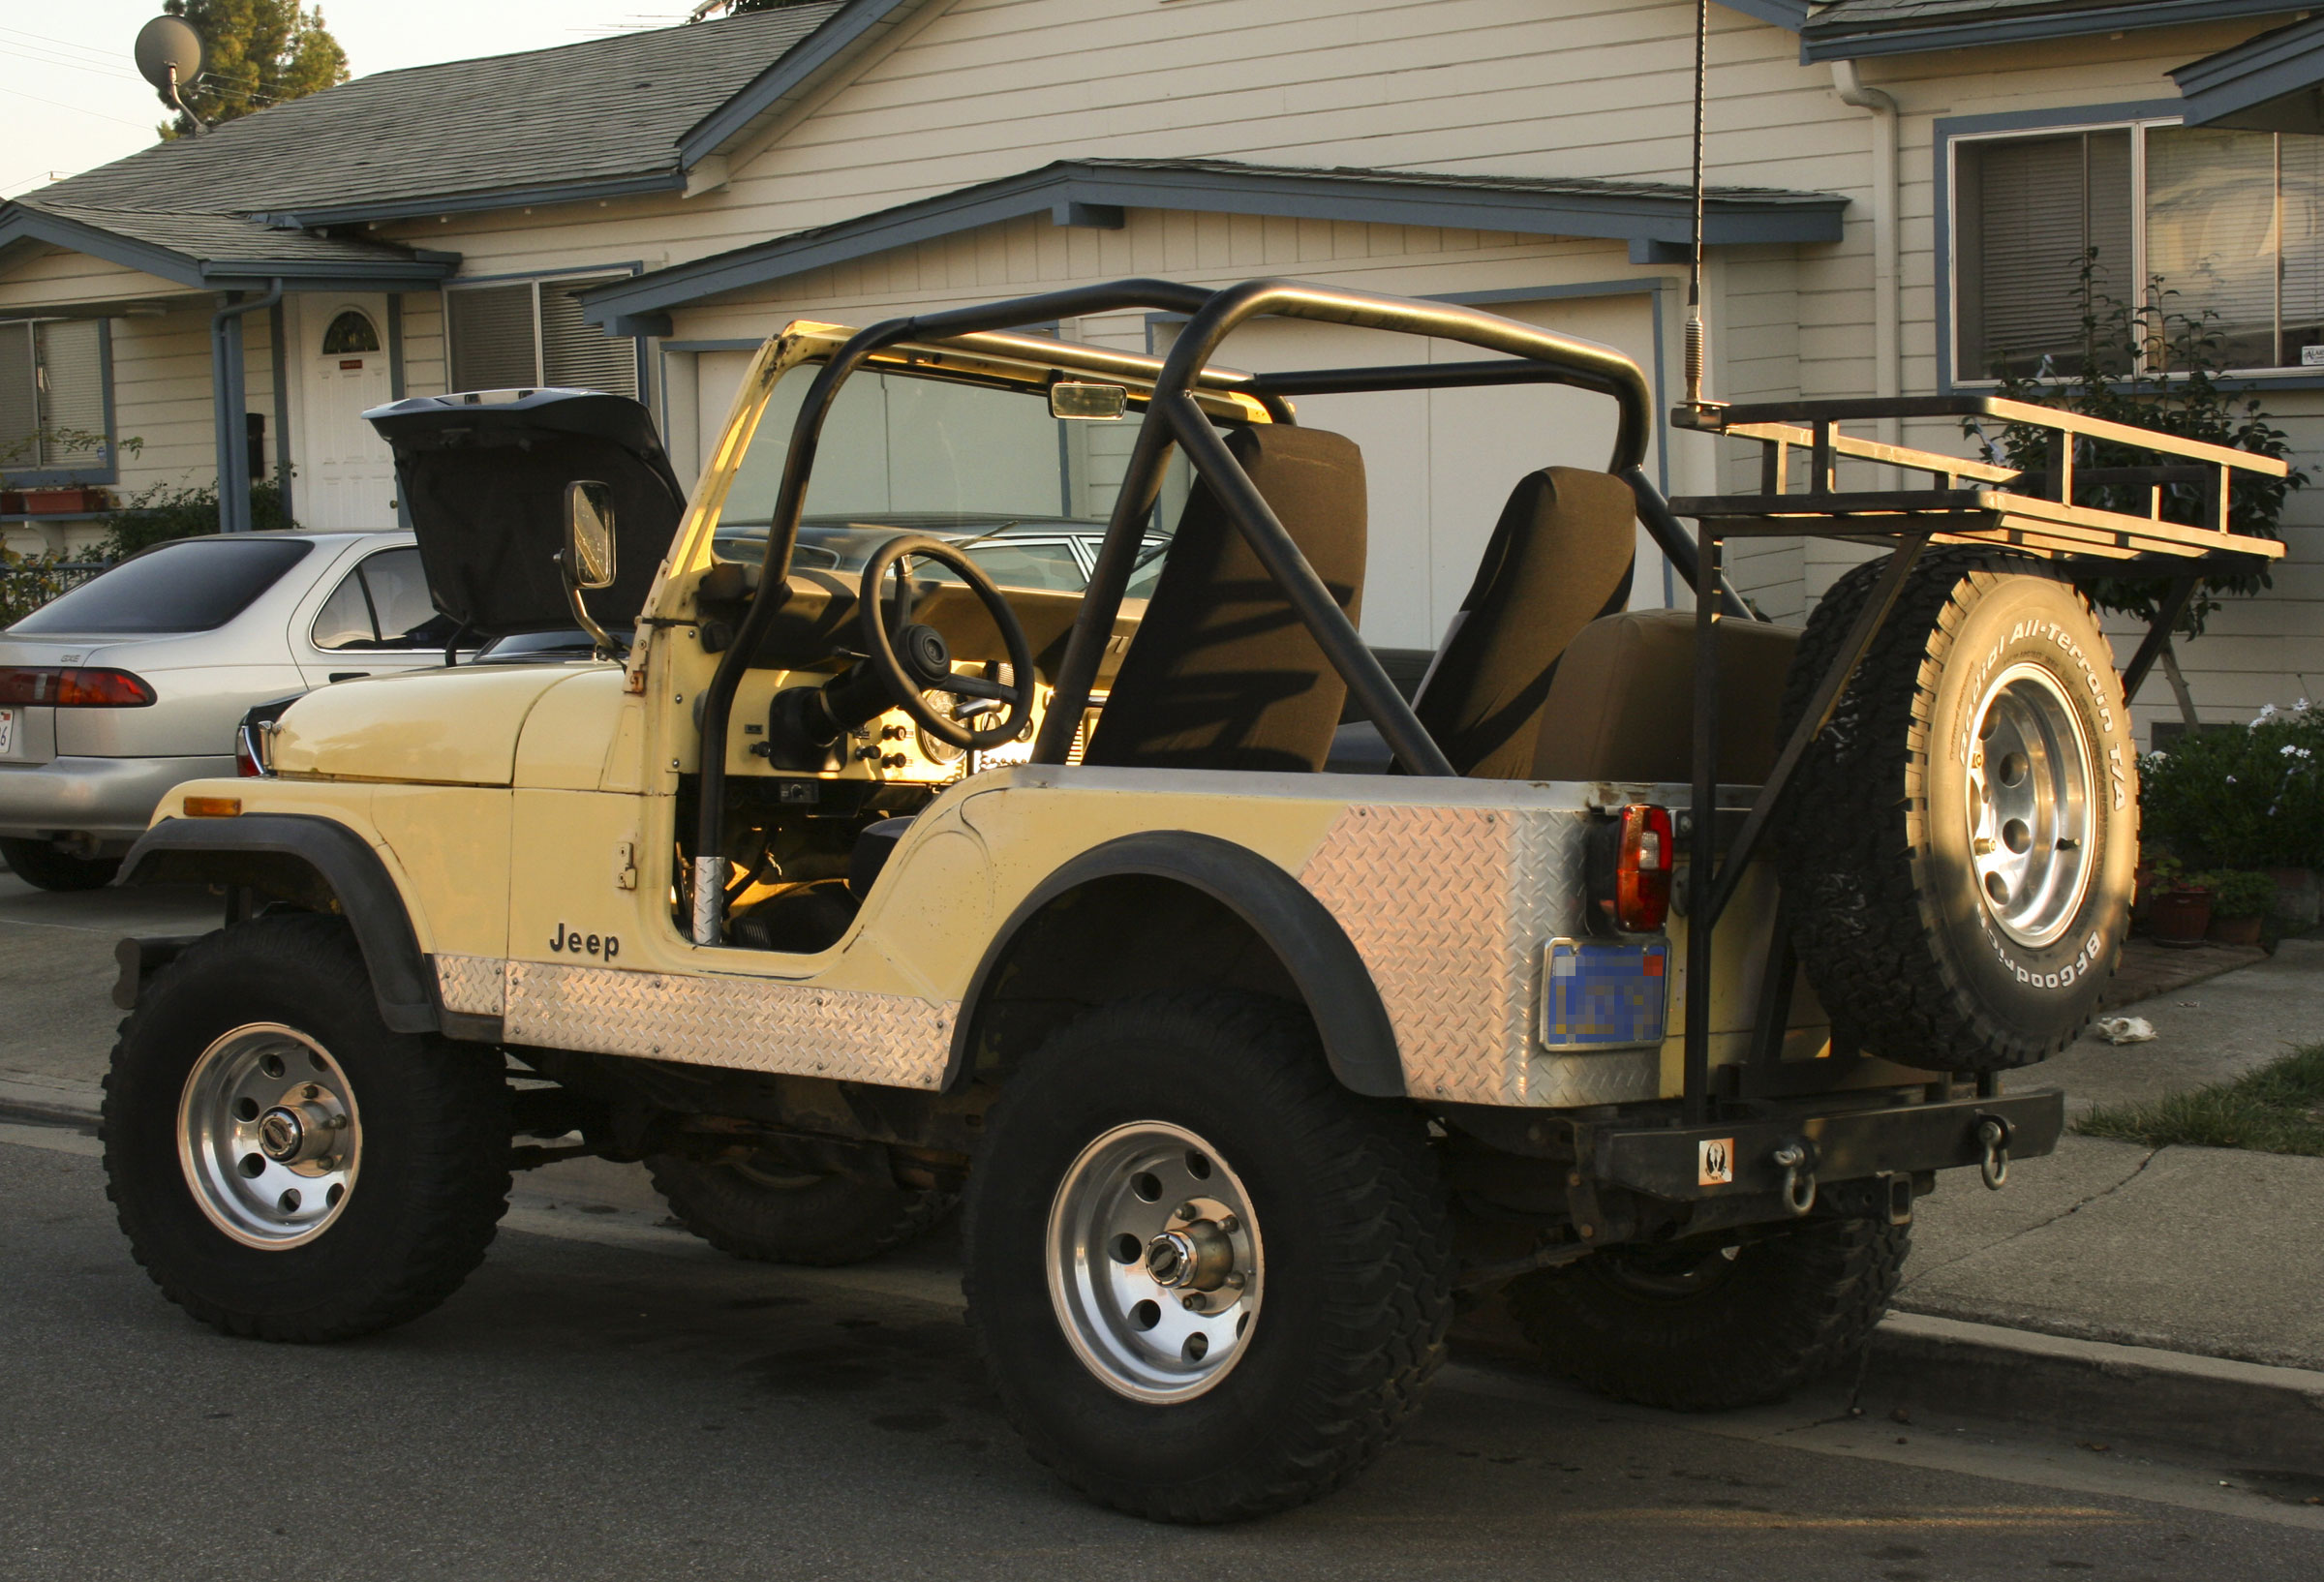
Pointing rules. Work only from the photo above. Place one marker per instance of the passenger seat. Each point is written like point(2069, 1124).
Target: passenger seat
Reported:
point(1560, 556)
point(1622, 707)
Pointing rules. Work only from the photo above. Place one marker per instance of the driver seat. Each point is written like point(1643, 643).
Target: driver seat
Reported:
point(1222, 673)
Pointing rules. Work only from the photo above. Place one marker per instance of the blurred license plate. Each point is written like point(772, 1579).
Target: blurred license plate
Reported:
point(1603, 995)
point(8, 731)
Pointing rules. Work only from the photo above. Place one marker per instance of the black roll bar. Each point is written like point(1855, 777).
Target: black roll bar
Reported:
point(1174, 418)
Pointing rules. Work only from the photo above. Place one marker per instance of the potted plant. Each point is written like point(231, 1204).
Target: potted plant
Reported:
point(2178, 905)
point(2240, 903)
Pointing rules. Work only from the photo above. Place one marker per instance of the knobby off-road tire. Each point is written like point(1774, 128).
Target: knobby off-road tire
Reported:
point(807, 1204)
point(1958, 847)
point(1714, 1323)
point(1324, 1205)
point(43, 866)
point(277, 1015)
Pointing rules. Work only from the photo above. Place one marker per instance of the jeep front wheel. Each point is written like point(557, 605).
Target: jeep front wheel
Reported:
point(283, 1165)
point(1208, 1282)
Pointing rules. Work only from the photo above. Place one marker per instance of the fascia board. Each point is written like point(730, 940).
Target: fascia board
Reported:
point(2285, 61)
point(18, 223)
point(844, 36)
point(1621, 217)
point(509, 198)
point(1970, 33)
point(1788, 14)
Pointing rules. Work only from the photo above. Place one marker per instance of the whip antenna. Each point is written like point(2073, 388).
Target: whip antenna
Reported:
point(1695, 330)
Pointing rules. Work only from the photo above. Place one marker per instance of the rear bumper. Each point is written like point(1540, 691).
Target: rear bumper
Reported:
point(106, 800)
point(1680, 1164)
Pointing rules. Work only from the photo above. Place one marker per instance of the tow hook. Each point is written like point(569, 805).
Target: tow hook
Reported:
point(1993, 1133)
point(1799, 1177)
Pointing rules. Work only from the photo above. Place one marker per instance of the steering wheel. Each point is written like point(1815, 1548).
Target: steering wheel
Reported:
point(923, 663)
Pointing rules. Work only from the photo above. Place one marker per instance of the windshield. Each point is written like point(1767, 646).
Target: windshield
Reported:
point(195, 585)
point(895, 447)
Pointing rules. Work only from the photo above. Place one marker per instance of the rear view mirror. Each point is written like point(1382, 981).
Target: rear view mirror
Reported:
point(587, 559)
point(1088, 402)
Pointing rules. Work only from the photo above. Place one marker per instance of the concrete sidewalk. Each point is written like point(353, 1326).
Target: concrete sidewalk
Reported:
point(2204, 1253)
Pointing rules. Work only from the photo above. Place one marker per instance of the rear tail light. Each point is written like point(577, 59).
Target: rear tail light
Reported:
point(246, 761)
point(74, 688)
point(1630, 871)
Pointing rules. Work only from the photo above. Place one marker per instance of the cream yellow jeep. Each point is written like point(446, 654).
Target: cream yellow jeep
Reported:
point(1257, 1007)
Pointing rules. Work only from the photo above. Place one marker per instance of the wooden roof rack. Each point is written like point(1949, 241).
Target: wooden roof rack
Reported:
point(1974, 501)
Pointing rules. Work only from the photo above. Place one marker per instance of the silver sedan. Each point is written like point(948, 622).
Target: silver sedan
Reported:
point(135, 681)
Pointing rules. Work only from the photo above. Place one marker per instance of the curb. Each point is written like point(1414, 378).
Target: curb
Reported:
point(49, 1103)
point(2269, 1416)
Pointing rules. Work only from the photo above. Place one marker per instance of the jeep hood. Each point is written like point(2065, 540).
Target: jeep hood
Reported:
point(483, 478)
point(435, 727)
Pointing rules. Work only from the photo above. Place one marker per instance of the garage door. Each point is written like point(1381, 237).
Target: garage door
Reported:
point(1441, 463)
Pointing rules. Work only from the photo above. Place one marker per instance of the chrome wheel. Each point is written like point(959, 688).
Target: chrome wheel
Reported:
point(2030, 787)
point(268, 1136)
point(1154, 1263)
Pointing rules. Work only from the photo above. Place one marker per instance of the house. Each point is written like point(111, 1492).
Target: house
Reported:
point(1901, 193)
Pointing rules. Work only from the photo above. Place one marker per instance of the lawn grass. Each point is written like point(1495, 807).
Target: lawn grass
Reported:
point(2278, 1109)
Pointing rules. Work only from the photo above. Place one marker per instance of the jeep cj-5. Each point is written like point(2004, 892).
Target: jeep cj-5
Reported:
point(873, 853)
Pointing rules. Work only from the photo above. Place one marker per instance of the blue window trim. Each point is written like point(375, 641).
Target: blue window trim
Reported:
point(69, 477)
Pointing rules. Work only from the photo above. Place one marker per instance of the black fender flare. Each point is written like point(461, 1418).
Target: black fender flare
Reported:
point(344, 861)
point(1322, 963)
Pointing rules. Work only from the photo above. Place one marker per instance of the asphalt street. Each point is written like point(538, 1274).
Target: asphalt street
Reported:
point(607, 1398)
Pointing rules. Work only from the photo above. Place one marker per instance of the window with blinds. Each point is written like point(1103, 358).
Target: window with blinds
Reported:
point(2221, 229)
point(52, 417)
point(527, 334)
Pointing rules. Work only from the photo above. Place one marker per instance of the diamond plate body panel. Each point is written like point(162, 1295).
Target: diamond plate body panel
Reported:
point(1449, 906)
point(472, 986)
point(747, 1024)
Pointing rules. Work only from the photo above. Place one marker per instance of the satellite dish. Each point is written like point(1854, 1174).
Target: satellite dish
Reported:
point(169, 54)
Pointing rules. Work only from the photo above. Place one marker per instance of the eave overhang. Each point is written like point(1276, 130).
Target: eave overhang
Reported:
point(1653, 218)
point(22, 223)
point(845, 38)
point(1837, 40)
point(2274, 83)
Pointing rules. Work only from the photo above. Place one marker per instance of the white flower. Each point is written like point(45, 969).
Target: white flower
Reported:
point(2267, 710)
point(2230, 780)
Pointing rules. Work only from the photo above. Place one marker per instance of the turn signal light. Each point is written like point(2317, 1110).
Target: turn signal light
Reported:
point(213, 806)
point(73, 688)
point(1629, 870)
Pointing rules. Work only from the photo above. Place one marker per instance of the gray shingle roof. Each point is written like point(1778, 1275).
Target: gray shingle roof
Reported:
point(218, 236)
point(579, 113)
point(1858, 27)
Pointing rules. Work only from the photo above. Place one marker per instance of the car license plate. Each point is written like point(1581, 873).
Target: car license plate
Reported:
point(8, 732)
point(1599, 994)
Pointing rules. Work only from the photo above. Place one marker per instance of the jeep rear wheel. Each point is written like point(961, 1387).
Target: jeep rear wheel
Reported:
point(810, 1203)
point(283, 1165)
point(1715, 1321)
point(1959, 844)
point(1208, 1282)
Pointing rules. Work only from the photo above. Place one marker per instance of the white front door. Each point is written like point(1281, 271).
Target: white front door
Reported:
point(345, 473)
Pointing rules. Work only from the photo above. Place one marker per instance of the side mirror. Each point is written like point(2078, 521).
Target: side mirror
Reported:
point(1088, 402)
point(588, 559)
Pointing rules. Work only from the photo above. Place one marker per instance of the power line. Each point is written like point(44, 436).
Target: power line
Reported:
point(58, 104)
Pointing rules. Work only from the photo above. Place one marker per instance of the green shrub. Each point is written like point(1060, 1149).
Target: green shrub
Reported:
point(2241, 798)
point(2236, 892)
point(165, 511)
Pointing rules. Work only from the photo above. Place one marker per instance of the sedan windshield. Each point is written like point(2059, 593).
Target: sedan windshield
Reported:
point(194, 584)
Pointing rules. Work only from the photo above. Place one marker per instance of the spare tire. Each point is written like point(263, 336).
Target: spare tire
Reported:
point(1959, 843)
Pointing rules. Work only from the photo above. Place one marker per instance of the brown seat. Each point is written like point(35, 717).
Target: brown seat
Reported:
point(1222, 673)
point(1622, 706)
point(1559, 558)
